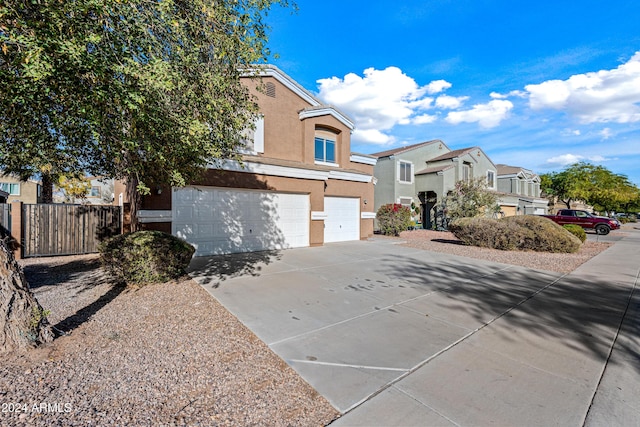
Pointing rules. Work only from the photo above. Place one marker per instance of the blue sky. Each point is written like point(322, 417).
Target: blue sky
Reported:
point(535, 84)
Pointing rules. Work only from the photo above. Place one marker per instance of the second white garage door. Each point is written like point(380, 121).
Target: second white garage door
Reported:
point(343, 219)
point(221, 221)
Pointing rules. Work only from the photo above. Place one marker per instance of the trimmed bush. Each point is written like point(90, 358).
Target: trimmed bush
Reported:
point(145, 257)
point(527, 232)
point(393, 219)
point(576, 230)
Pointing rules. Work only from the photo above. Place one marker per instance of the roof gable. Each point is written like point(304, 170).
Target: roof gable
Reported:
point(407, 148)
point(317, 108)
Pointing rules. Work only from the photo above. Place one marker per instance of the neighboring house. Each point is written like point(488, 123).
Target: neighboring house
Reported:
point(100, 193)
point(300, 184)
point(424, 173)
point(29, 191)
point(519, 190)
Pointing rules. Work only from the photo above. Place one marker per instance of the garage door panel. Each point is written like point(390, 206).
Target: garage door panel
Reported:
point(343, 219)
point(219, 221)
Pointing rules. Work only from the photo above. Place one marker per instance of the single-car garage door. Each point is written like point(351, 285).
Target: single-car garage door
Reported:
point(342, 220)
point(221, 221)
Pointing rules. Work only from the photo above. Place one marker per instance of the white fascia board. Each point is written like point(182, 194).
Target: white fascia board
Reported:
point(289, 172)
point(368, 215)
point(349, 176)
point(288, 82)
point(273, 170)
point(355, 158)
point(306, 114)
point(146, 216)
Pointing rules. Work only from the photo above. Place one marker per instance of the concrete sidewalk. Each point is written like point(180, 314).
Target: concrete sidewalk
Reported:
point(397, 336)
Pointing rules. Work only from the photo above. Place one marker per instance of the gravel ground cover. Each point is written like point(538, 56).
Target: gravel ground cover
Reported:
point(162, 355)
point(169, 354)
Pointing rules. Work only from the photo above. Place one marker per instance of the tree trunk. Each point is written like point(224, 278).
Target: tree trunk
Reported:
point(23, 322)
point(47, 188)
point(135, 200)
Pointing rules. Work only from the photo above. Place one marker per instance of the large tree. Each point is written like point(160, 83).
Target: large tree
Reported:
point(143, 90)
point(147, 91)
point(592, 184)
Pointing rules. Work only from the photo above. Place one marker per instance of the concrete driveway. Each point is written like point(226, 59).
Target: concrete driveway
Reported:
point(398, 336)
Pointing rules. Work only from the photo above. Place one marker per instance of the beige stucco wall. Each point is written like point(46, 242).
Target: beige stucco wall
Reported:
point(288, 138)
point(28, 190)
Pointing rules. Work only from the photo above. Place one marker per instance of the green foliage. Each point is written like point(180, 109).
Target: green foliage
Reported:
point(393, 219)
point(38, 316)
point(576, 230)
point(145, 257)
point(526, 232)
point(148, 90)
point(595, 185)
point(470, 199)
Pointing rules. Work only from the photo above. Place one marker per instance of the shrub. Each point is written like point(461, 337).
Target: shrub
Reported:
point(526, 232)
point(393, 219)
point(145, 257)
point(576, 230)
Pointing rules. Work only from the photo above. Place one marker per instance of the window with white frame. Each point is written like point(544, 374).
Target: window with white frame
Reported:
point(466, 171)
point(325, 146)
point(491, 179)
point(405, 172)
point(95, 191)
point(10, 187)
point(253, 137)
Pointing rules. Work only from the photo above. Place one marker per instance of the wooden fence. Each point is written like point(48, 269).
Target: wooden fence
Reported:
point(58, 229)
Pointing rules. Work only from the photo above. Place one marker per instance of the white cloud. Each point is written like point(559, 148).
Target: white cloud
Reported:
point(486, 115)
point(571, 132)
point(570, 159)
point(450, 102)
point(437, 86)
point(380, 100)
point(424, 119)
point(373, 136)
point(516, 93)
point(603, 96)
point(565, 159)
point(606, 133)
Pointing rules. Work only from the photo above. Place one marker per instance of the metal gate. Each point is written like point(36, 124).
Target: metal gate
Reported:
point(54, 229)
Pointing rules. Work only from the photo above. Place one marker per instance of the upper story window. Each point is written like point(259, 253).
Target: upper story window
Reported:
point(253, 139)
point(466, 171)
point(94, 192)
point(405, 172)
point(491, 179)
point(12, 188)
point(325, 146)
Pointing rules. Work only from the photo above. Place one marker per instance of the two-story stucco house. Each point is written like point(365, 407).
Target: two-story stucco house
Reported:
point(299, 185)
point(29, 191)
point(424, 173)
point(519, 190)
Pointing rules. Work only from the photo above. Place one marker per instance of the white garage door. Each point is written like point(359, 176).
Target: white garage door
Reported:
point(221, 221)
point(343, 219)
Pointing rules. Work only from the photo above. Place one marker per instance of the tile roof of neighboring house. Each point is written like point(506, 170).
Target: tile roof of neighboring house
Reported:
point(405, 148)
point(453, 154)
point(509, 170)
point(434, 169)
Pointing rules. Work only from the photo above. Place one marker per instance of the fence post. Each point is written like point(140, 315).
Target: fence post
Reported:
point(16, 229)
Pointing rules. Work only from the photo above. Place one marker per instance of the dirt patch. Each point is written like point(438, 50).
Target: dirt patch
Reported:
point(165, 354)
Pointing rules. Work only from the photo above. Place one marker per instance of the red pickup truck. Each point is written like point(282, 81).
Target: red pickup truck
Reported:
point(584, 219)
